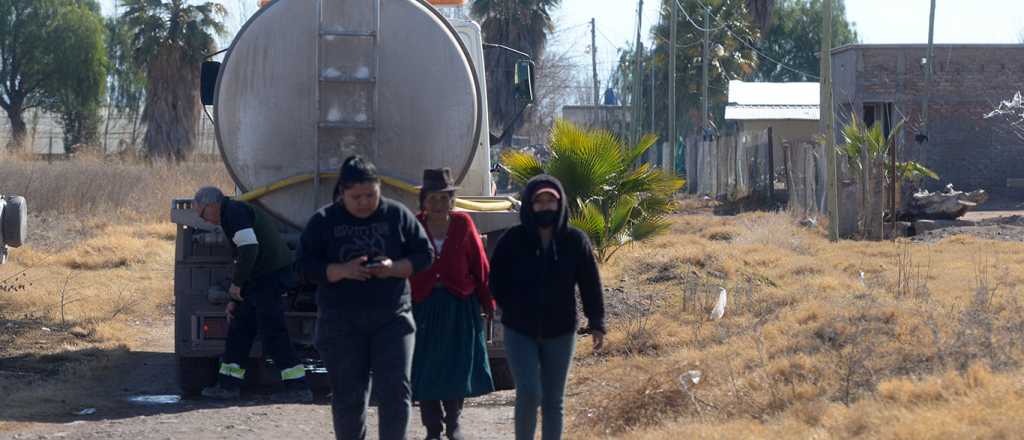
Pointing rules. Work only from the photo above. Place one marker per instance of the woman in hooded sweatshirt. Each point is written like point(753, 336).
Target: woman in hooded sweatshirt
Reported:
point(535, 271)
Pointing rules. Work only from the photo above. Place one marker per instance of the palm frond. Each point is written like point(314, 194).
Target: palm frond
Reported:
point(521, 166)
point(648, 228)
point(637, 151)
point(591, 221)
point(620, 217)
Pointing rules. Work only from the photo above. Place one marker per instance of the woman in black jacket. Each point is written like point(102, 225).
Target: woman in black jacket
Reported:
point(536, 269)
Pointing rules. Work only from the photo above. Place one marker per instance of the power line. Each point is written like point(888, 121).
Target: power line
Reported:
point(724, 26)
point(679, 46)
point(609, 40)
point(694, 23)
point(777, 62)
point(569, 28)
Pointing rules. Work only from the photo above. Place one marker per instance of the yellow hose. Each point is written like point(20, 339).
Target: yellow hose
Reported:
point(469, 205)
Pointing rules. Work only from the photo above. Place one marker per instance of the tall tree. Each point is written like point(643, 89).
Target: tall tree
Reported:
point(79, 76)
point(794, 39)
point(127, 78)
point(522, 25)
point(49, 60)
point(26, 60)
point(761, 13)
point(171, 38)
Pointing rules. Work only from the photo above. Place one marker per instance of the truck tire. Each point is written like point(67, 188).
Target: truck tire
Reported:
point(194, 374)
point(502, 375)
point(14, 221)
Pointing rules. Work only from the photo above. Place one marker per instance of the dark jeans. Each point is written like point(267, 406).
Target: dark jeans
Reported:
point(355, 343)
point(540, 369)
point(437, 414)
point(261, 314)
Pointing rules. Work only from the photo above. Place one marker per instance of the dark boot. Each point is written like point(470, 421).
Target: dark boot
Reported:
point(430, 413)
point(452, 412)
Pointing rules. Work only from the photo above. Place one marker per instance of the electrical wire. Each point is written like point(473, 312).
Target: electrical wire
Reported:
point(777, 62)
point(694, 23)
point(724, 26)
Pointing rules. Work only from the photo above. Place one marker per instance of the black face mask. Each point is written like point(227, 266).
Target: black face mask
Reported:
point(546, 219)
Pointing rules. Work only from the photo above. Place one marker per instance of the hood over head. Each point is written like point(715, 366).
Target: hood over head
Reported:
point(535, 184)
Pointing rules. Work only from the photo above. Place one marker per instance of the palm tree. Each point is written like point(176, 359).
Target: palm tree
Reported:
point(522, 25)
point(761, 13)
point(614, 199)
point(171, 38)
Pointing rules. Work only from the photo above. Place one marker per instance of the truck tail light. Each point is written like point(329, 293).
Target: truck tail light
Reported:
point(215, 328)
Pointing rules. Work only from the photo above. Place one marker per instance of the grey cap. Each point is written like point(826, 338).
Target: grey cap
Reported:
point(208, 195)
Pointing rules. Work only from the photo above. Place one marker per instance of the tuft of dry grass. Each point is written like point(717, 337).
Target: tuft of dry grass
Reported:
point(853, 339)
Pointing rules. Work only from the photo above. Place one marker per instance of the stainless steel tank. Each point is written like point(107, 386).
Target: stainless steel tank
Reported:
point(394, 83)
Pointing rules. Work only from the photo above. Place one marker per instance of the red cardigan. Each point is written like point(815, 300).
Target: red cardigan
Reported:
point(461, 267)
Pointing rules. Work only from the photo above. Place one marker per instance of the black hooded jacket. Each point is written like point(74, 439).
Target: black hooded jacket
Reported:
point(536, 288)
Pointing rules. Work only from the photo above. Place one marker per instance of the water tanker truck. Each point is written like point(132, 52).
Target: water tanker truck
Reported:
point(304, 85)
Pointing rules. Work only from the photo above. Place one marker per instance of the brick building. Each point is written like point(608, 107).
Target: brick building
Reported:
point(886, 83)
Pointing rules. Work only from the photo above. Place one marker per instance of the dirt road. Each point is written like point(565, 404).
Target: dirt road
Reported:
point(248, 420)
point(142, 403)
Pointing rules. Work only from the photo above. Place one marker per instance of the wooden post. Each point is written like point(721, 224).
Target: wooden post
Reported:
point(771, 164)
point(828, 118)
point(670, 159)
point(593, 59)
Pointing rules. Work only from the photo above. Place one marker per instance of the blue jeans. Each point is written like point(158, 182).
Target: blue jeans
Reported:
point(355, 343)
point(540, 370)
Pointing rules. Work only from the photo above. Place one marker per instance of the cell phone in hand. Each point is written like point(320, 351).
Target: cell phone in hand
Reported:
point(372, 262)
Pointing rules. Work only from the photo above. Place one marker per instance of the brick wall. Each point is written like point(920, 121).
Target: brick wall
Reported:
point(969, 81)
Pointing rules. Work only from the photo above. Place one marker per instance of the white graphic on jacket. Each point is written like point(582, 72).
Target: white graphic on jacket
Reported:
point(370, 240)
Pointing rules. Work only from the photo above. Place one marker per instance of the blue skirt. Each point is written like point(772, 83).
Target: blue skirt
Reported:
point(450, 358)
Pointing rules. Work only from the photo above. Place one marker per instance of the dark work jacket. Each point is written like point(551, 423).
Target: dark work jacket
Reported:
point(258, 246)
point(536, 287)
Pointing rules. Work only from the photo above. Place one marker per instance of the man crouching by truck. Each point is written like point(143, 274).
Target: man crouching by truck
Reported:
point(263, 272)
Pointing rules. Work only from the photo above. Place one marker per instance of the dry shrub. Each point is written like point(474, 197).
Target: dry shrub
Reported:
point(109, 252)
point(776, 230)
point(905, 390)
point(721, 233)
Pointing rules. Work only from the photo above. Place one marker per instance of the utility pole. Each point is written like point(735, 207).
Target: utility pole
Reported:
point(593, 59)
point(828, 118)
point(639, 75)
point(929, 70)
point(704, 59)
point(670, 160)
point(653, 83)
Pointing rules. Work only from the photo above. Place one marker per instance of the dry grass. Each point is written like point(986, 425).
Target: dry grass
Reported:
point(107, 191)
point(927, 343)
point(99, 262)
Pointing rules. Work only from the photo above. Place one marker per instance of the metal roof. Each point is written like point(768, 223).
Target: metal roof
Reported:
point(795, 100)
